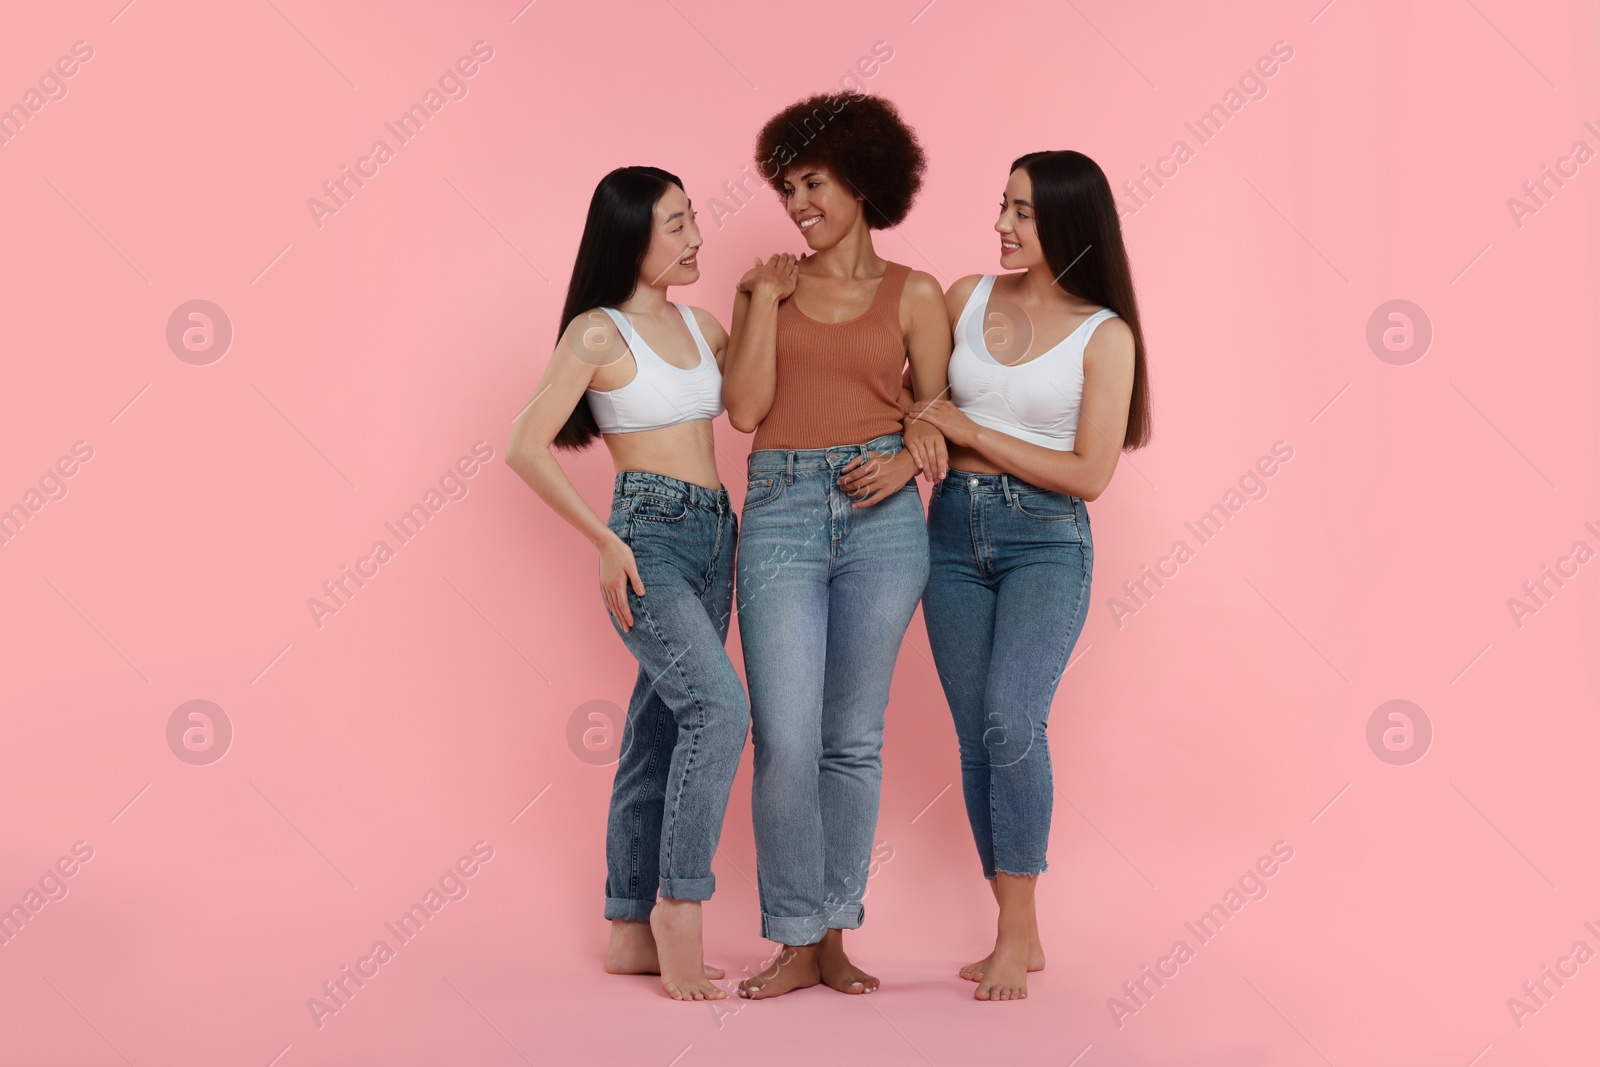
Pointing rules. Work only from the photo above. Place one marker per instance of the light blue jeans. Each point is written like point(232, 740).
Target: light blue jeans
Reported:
point(1007, 596)
point(825, 592)
point(689, 716)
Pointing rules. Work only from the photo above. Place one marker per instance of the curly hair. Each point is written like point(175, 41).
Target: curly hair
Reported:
point(860, 138)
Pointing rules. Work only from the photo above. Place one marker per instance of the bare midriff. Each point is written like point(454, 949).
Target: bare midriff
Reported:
point(685, 451)
point(968, 459)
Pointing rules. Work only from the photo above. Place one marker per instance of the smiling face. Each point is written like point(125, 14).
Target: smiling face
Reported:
point(674, 242)
point(820, 204)
point(1019, 235)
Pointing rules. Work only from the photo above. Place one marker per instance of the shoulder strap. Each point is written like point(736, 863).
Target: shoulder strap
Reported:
point(630, 336)
point(694, 325)
point(976, 300)
point(1092, 322)
point(886, 304)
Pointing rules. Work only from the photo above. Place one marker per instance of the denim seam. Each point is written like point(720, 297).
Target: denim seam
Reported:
point(709, 577)
point(979, 540)
point(1065, 658)
point(694, 747)
point(638, 820)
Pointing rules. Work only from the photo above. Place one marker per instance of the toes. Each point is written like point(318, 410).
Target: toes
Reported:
point(715, 972)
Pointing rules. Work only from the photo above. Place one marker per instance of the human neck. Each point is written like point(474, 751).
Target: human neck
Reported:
point(647, 300)
point(852, 257)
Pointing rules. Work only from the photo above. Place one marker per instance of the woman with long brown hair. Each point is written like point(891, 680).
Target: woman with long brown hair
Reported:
point(1047, 389)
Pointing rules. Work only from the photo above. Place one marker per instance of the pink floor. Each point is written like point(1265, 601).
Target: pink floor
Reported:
point(187, 501)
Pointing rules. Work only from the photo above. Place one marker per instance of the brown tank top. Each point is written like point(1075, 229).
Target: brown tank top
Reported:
point(838, 382)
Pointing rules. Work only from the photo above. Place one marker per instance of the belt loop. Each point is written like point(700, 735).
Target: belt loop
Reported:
point(789, 470)
point(1005, 484)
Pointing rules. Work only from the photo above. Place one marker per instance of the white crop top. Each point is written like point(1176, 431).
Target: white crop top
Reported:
point(1037, 401)
point(660, 394)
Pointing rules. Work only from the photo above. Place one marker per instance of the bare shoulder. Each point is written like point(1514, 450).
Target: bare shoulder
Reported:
point(1111, 344)
point(922, 296)
point(593, 338)
point(921, 286)
point(921, 302)
point(960, 292)
point(716, 336)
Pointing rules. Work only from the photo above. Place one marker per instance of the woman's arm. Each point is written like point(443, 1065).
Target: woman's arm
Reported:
point(1102, 423)
point(927, 337)
point(928, 343)
point(559, 391)
point(751, 378)
point(715, 336)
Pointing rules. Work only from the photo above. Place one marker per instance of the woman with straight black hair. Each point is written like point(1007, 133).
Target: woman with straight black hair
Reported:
point(644, 374)
point(1047, 389)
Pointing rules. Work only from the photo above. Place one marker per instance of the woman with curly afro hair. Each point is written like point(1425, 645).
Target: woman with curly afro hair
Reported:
point(833, 553)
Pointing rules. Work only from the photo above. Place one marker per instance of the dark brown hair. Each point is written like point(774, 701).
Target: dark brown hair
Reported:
point(862, 139)
point(1082, 240)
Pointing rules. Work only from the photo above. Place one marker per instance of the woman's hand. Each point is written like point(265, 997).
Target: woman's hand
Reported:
point(945, 417)
point(777, 276)
point(617, 570)
point(876, 475)
point(928, 450)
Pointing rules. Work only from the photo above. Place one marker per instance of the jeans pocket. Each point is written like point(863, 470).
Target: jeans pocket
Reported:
point(762, 491)
point(649, 507)
point(1047, 506)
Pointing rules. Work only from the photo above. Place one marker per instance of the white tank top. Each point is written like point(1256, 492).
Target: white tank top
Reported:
point(660, 394)
point(1037, 401)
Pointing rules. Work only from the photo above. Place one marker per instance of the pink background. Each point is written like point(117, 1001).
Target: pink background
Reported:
point(369, 354)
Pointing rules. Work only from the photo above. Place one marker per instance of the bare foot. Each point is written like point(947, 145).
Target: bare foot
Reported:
point(676, 926)
point(1006, 976)
point(837, 970)
point(633, 950)
point(974, 972)
point(794, 968)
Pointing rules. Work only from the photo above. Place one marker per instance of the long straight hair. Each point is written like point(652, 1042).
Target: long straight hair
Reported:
point(1082, 240)
point(616, 236)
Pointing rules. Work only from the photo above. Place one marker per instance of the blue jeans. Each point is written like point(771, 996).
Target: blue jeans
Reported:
point(1006, 599)
point(688, 717)
point(825, 594)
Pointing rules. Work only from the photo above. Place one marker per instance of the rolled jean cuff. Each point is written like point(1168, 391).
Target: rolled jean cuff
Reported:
point(796, 930)
point(689, 888)
point(627, 908)
point(847, 916)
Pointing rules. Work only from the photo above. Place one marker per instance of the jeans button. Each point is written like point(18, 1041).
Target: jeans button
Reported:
point(973, 482)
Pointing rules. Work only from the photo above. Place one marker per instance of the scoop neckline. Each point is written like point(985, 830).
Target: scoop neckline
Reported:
point(993, 279)
point(659, 358)
point(870, 307)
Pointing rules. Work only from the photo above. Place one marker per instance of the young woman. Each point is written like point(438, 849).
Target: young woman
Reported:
point(1047, 388)
point(645, 374)
point(835, 549)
